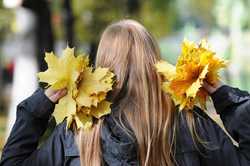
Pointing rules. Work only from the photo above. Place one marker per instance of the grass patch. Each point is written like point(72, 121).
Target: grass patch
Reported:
point(3, 125)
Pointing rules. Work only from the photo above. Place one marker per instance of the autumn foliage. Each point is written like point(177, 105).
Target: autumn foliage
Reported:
point(86, 88)
point(197, 63)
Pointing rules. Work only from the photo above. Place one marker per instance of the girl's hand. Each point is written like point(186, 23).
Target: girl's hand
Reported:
point(55, 95)
point(211, 88)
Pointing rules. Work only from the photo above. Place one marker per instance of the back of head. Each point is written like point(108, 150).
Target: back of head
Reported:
point(130, 51)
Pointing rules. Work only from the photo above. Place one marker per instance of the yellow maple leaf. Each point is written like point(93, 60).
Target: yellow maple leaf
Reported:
point(85, 116)
point(103, 108)
point(83, 121)
point(166, 69)
point(93, 89)
point(87, 88)
point(64, 71)
point(65, 107)
point(195, 64)
point(94, 86)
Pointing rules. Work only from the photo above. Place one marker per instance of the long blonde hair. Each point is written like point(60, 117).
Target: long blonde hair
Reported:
point(130, 51)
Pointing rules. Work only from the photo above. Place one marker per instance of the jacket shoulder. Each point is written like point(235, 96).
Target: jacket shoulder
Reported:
point(67, 139)
point(61, 143)
point(207, 134)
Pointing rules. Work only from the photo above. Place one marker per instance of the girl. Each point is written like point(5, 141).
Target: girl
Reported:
point(144, 127)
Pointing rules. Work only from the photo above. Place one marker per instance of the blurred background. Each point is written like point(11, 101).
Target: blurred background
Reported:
point(28, 28)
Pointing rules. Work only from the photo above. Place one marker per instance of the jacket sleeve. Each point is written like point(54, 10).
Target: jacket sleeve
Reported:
point(32, 119)
point(233, 106)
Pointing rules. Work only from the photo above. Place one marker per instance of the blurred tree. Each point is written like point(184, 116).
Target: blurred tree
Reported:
point(44, 33)
point(6, 17)
point(133, 6)
point(68, 22)
point(6, 20)
point(63, 21)
point(246, 24)
point(201, 10)
point(159, 16)
point(92, 16)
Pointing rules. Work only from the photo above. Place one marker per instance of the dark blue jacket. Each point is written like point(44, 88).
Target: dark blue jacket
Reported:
point(118, 149)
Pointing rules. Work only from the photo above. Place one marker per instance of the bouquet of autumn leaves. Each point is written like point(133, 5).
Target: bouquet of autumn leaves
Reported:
point(86, 88)
point(197, 63)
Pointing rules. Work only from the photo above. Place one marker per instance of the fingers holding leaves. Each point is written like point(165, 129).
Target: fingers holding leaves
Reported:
point(211, 88)
point(55, 95)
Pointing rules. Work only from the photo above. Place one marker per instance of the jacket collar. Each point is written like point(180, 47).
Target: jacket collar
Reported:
point(117, 146)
